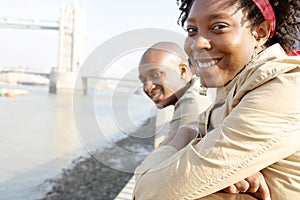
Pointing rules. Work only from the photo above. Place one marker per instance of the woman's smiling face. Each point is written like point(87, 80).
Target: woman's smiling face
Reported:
point(219, 41)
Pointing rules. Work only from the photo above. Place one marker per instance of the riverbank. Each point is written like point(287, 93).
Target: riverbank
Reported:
point(89, 178)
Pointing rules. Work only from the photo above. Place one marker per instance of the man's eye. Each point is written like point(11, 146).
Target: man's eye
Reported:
point(156, 75)
point(142, 79)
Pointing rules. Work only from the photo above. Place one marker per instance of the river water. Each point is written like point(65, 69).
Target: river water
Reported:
point(42, 133)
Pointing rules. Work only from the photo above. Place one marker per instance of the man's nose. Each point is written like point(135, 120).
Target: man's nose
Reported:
point(148, 86)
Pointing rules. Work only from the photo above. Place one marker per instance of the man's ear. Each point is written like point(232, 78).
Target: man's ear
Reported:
point(262, 32)
point(183, 70)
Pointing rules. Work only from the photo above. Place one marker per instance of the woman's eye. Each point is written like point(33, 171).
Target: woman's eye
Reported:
point(190, 30)
point(219, 26)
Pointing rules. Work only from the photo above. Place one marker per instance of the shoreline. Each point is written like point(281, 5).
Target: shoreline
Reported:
point(103, 174)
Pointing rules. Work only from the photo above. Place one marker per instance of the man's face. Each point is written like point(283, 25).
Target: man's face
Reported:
point(160, 74)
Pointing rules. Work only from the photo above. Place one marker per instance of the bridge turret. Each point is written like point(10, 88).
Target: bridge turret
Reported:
point(71, 46)
point(71, 35)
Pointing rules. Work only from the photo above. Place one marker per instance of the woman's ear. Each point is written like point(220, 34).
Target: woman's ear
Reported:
point(262, 32)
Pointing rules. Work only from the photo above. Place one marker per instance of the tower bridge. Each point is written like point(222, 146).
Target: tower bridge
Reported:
point(70, 27)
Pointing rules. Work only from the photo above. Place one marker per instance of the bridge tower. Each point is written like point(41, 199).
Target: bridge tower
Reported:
point(71, 27)
point(71, 45)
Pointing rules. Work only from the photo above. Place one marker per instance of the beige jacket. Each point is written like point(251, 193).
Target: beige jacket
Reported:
point(188, 107)
point(254, 125)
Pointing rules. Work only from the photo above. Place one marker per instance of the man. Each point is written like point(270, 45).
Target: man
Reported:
point(168, 80)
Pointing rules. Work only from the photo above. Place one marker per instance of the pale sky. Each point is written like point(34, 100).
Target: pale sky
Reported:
point(104, 19)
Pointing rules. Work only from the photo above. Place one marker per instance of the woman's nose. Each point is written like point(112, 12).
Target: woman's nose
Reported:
point(200, 42)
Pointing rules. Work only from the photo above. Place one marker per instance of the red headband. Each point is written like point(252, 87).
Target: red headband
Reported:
point(268, 13)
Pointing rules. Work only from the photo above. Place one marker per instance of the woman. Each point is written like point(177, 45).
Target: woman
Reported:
point(240, 47)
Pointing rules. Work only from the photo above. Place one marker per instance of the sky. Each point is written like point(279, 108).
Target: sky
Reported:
point(104, 20)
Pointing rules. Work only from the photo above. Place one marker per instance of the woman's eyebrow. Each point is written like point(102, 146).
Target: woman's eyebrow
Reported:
point(221, 15)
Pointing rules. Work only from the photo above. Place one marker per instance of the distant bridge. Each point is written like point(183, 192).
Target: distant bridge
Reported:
point(26, 70)
point(46, 75)
point(22, 75)
point(31, 76)
point(120, 84)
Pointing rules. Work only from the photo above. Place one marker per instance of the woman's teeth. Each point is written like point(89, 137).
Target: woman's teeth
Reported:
point(206, 64)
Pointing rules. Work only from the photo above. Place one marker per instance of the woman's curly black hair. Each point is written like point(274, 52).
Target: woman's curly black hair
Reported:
point(287, 13)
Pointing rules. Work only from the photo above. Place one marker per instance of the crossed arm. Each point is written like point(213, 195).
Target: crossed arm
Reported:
point(254, 184)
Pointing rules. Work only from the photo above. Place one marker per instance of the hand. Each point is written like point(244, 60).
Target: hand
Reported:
point(255, 184)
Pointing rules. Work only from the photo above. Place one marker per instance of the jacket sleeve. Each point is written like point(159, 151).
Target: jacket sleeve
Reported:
point(188, 109)
point(261, 130)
